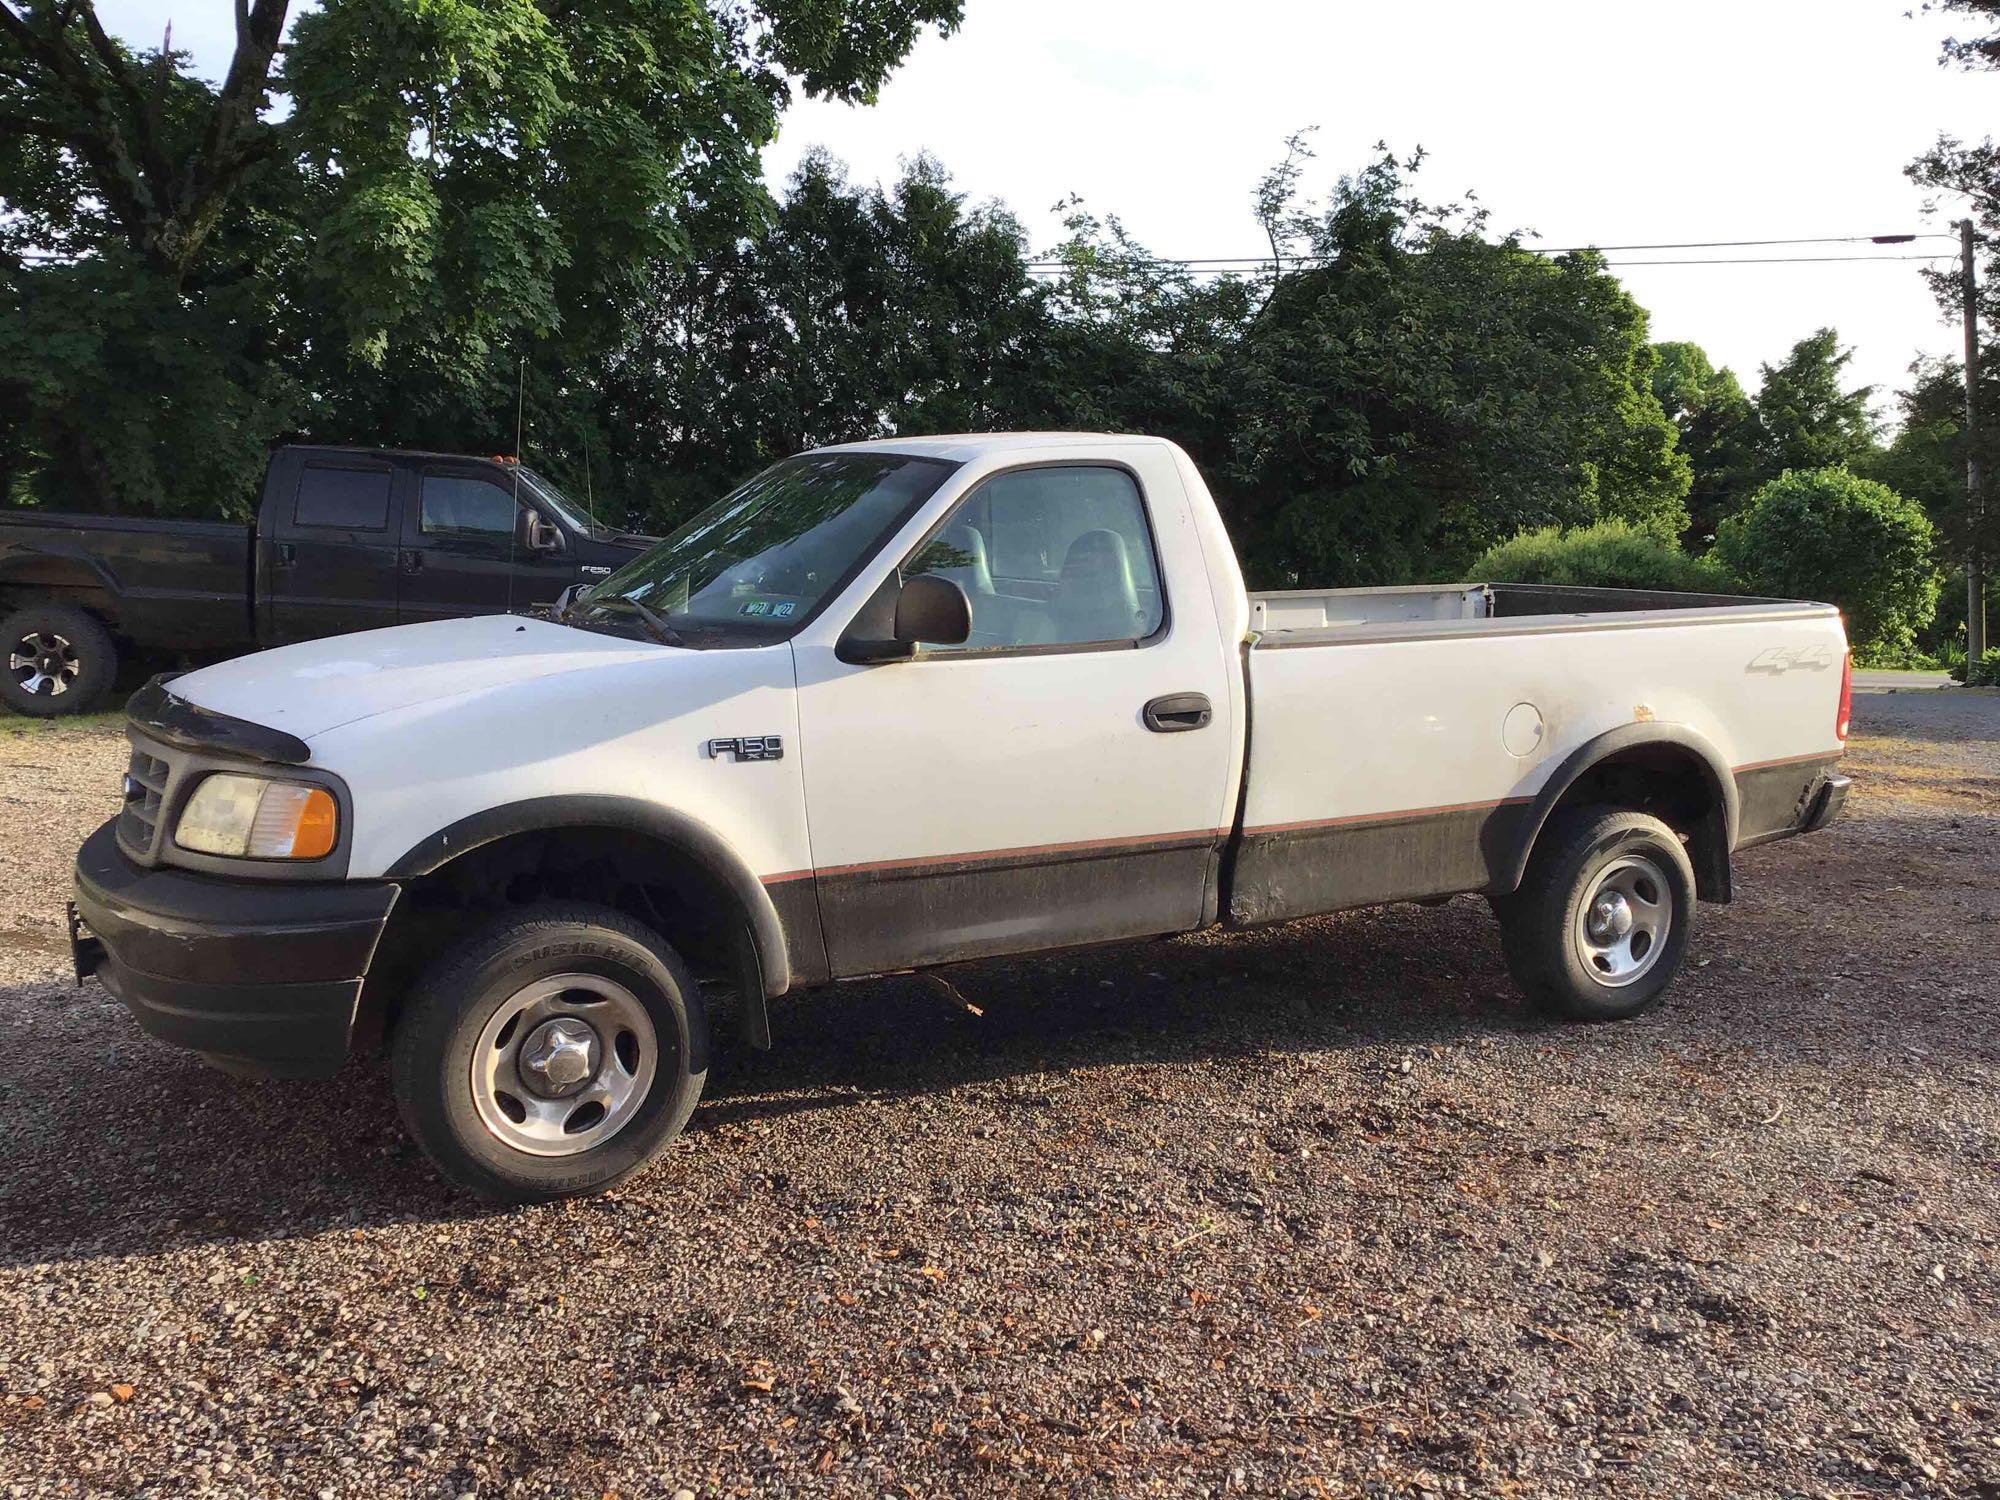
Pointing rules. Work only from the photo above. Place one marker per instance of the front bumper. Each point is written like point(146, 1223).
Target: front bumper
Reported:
point(257, 976)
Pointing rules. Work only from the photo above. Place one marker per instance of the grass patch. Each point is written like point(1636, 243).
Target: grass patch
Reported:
point(21, 726)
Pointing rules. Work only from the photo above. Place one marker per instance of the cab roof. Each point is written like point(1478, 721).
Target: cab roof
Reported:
point(963, 447)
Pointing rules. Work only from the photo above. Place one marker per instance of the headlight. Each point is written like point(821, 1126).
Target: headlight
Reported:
point(248, 817)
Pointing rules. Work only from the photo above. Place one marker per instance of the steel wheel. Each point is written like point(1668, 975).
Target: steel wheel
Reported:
point(1621, 928)
point(564, 1064)
point(44, 664)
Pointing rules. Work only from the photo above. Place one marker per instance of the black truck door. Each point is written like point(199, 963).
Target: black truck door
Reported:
point(327, 547)
point(462, 550)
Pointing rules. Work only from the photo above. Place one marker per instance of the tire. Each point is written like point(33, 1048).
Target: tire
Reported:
point(458, 1060)
point(1585, 961)
point(60, 661)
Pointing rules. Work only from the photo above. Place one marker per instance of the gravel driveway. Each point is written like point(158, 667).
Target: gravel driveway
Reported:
point(1314, 1211)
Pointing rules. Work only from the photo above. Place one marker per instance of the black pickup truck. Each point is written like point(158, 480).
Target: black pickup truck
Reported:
point(345, 539)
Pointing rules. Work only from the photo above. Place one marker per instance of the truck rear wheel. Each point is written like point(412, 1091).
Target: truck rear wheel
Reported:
point(1600, 925)
point(59, 660)
point(552, 1054)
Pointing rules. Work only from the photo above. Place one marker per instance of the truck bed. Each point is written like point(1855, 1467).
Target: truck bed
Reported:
point(178, 584)
point(1320, 617)
point(1403, 758)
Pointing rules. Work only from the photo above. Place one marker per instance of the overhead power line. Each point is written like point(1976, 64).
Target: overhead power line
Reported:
point(1306, 258)
point(1052, 272)
point(1785, 260)
point(1223, 264)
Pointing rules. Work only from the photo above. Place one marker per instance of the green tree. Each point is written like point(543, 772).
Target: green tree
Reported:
point(1423, 392)
point(1926, 461)
point(457, 183)
point(857, 312)
point(1126, 342)
point(1969, 172)
point(1718, 433)
point(1805, 420)
point(1830, 534)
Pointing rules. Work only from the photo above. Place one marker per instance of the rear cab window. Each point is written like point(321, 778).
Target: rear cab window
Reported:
point(340, 497)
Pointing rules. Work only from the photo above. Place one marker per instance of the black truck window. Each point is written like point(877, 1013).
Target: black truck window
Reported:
point(459, 505)
point(347, 499)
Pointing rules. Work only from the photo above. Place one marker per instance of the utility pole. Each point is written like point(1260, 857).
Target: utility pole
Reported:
point(1975, 573)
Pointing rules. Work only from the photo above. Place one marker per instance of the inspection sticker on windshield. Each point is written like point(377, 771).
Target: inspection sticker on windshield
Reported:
point(783, 611)
point(756, 607)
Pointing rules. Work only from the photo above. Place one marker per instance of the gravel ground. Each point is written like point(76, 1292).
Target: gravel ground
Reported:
point(1315, 1211)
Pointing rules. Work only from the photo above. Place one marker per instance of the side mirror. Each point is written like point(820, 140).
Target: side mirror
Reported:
point(933, 611)
point(928, 610)
point(538, 535)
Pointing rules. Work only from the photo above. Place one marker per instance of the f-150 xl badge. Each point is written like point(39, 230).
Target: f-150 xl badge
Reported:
point(749, 747)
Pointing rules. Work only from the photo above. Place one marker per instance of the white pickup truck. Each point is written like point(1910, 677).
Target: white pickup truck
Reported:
point(897, 705)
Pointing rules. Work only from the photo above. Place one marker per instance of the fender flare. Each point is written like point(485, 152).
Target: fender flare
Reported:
point(76, 557)
point(688, 836)
point(1593, 752)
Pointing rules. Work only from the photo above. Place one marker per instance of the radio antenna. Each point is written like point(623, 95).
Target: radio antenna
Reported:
point(514, 531)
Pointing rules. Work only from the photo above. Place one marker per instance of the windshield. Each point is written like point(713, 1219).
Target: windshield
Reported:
point(557, 501)
point(762, 559)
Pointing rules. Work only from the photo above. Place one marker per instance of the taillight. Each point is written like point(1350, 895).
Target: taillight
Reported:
point(1846, 710)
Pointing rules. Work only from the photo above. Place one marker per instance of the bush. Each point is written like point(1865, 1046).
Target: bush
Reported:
point(1829, 534)
point(1985, 674)
point(1610, 555)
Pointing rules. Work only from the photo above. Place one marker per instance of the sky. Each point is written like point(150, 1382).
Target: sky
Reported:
point(1606, 122)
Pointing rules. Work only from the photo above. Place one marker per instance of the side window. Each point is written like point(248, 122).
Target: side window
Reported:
point(1051, 557)
point(343, 499)
point(459, 505)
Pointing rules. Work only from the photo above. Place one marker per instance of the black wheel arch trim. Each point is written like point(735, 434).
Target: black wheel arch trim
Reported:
point(687, 835)
point(1594, 752)
point(77, 557)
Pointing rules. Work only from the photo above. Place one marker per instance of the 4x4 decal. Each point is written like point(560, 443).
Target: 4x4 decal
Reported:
point(1778, 660)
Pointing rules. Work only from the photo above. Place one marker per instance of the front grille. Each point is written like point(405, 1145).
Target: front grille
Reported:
point(146, 781)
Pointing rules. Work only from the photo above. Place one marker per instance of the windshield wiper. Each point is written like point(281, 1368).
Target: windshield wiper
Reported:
point(658, 628)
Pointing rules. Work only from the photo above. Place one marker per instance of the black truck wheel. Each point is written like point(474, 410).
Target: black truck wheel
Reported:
point(551, 1054)
point(59, 660)
point(1600, 925)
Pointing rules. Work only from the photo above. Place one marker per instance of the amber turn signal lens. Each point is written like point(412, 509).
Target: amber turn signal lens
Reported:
point(318, 824)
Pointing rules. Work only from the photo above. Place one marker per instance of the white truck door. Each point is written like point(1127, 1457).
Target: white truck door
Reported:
point(1063, 777)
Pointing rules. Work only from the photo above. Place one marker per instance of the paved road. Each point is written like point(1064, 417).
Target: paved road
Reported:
point(1969, 721)
point(1898, 682)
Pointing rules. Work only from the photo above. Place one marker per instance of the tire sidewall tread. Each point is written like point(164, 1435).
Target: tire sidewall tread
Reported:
point(96, 652)
point(1536, 920)
point(432, 1049)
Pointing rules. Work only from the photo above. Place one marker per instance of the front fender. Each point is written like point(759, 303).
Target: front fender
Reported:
point(686, 835)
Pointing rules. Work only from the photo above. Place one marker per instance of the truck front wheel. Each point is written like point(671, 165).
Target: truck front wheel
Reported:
point(59, 660)
point(552, 1054)
point(1600, 924)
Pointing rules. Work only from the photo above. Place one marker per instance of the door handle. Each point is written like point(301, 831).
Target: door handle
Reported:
point(1178, 712)
point(413, 560)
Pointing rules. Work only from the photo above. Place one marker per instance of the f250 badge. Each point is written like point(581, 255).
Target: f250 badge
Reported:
point(1778, 660)
point(748, 747)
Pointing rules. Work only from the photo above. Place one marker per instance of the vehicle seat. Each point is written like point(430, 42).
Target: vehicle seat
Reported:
point(975, 575)
point(1096, 599)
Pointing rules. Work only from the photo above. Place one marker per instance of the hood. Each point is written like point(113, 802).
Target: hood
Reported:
point(315, 686)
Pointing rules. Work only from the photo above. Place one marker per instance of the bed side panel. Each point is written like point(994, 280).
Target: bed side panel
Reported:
point(1384, 770)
